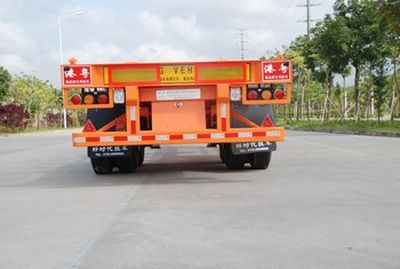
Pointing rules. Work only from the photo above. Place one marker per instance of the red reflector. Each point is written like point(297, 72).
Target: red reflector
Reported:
point(279, 94)
point(252, 95)
point(267, 122)
point(89, 127)
point(102, 99)
point(76, 100)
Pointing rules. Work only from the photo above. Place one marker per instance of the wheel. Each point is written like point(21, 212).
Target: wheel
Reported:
point(234, 162)
point(140, 156)
point(260, 160)
point(102, 165)
point(127, 164)
point(221, 152)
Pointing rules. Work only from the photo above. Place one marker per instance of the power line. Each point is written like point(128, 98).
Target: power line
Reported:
point(308, 20)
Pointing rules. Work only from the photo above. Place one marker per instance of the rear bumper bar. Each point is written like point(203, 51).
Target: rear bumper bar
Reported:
point(90, 139)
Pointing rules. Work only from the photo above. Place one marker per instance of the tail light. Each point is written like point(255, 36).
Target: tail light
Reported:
point(266, 94)
point(279, 94)
point(76, 100)
point(102, 98)
point(252, 95)
point(88, 99)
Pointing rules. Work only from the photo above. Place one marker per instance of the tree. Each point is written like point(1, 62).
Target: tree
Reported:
point(330, 42)
point(5, 83)
point(365, 37)
point(36, 96)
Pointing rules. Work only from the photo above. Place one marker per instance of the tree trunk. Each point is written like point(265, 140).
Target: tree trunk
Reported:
point(344, 103)
point(357, 94)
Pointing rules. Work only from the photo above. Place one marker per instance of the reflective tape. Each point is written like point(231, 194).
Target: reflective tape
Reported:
point(217, 135)
point(106, 139)
point(133, 112)
point(245, 134)
point(134, 138)
point(223, 110)
point(162, 137)
point(79, 139)
point(273, 133)
point(189, 136)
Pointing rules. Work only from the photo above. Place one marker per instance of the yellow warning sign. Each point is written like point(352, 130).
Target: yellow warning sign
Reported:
point(177, 73)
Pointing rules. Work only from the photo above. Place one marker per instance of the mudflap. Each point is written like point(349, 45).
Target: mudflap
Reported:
point(252, 147)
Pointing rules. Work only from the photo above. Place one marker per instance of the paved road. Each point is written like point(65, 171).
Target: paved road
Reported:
point(327, 201)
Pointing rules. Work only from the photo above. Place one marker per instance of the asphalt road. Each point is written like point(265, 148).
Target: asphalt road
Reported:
point(327, 201)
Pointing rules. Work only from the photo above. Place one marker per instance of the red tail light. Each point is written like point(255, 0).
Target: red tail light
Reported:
point(279, 94)
point(102, 99)
point(76, 100)
point(252, 95)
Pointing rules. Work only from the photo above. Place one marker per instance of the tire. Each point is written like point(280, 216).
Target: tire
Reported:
point(140, 156)
point(221, 152)
point(127, 164)
point(102, 165)
point(234, 162)
point(260, 160)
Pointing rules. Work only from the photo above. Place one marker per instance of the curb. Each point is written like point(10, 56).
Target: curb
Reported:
point(346, 132)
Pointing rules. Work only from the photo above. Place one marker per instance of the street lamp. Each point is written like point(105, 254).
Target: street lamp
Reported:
point(59, 20)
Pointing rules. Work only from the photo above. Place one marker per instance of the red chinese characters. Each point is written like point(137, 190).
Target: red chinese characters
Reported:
point(77, 75)
point(276, 71)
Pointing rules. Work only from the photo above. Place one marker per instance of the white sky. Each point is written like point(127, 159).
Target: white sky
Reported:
point(152, 30)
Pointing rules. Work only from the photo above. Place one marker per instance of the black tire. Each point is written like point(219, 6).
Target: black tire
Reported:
point(221, 152)
point(140, 156)
point(234, 162)
point(260, 160)
point(102, 165)
point(127, 164)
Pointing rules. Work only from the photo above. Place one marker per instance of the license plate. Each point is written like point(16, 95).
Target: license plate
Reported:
point(252, 147)
point(110, 151)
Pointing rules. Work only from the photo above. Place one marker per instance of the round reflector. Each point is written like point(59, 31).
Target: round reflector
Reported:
point(252, 95)
point(88, 99)
point(76, 100)
point(279, 94)
point(102, 99)
point(266, 94)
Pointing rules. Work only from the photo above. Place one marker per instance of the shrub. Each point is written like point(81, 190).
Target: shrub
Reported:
point(12, 115)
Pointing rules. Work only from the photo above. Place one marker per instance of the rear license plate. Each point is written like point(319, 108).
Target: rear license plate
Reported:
point(110, 151)
point(252, 147)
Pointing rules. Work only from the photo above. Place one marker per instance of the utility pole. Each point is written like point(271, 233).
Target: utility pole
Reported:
point(243, 35)
point(308, 5)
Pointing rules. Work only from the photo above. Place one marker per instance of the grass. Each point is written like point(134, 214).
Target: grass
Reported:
point(4, 130)
point(363, 126)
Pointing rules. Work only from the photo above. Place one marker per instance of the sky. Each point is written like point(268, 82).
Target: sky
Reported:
point(105, 31)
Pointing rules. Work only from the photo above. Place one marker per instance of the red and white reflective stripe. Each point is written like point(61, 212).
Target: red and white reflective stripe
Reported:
point(134, 138)
point(245, 134)
point(132, 116)
point(162, 137)
point(139, 138)
point(217, 135)
point(189, 136)
point(106, 139)
point(273, 133)
point(223, 110)
point(132, 113)
point(79, 139)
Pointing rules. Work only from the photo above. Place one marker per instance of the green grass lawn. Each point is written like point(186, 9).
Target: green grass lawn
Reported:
point(363, 126)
